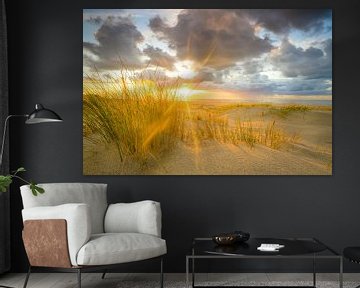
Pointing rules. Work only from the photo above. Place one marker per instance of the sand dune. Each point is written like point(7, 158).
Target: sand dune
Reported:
point(310, 154)
point(227, 159)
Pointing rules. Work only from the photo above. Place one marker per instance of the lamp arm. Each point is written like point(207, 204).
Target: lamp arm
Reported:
point(4, 133)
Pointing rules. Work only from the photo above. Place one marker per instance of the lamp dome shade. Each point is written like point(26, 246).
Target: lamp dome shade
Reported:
point(42, 115)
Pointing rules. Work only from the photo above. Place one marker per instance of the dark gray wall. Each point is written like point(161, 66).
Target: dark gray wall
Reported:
point(45, 49)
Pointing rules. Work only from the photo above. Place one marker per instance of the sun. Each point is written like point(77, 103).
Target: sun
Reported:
point(183, 69)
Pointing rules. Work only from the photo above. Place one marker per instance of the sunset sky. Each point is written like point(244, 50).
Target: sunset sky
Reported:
point(268, 52)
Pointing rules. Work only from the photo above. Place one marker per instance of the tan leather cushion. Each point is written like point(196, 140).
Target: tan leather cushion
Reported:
point(77, 218)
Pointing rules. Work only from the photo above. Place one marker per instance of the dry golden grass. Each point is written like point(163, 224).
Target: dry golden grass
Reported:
point(212, 126)
point(284, 111)
point(144, 117)
point(229, 107)
point(141, 116)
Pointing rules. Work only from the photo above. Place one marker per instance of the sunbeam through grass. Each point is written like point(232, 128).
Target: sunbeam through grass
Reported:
point(141, 116)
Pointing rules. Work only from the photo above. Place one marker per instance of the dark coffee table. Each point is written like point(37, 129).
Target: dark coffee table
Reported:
point(295, 248)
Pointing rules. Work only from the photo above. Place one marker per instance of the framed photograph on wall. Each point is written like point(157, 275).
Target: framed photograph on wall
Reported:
point(207, 92)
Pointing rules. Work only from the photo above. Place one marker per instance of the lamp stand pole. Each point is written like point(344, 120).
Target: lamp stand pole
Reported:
point(2, 151)
point(4, 134)
point(39, 115)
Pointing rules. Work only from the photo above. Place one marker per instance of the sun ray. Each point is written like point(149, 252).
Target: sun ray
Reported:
point(194, 137)
point(209, 54)
point(188, 46)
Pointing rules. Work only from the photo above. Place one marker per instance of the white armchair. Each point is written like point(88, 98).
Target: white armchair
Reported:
point(72, 228)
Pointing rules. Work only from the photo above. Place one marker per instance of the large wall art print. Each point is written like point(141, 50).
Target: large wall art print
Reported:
point(207, 92)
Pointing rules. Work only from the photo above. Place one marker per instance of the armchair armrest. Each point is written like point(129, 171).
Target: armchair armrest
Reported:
point(77, 217)
point(138, 217)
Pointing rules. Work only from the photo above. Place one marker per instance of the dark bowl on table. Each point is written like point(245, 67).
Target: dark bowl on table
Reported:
point(242, 236)
point(225, 239)
point(231, 238)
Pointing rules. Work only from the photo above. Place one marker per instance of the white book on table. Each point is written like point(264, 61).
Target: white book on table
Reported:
point(270, 247)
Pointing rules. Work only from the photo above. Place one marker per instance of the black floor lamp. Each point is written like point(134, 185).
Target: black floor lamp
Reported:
point(39, 115)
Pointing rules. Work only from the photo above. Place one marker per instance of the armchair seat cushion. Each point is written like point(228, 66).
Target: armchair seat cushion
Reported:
point(114, 248)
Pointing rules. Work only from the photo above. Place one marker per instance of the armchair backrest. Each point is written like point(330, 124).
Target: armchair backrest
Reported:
point(92, 194)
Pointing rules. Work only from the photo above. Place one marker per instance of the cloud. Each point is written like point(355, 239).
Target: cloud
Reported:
point(208, 75)
point(301, 86)
point(240, 79)
point(312, 63)
point(249, 82)
point(307, 86)
point(229, 49)
point(204, 76)
point(252, 67)
point(159, 58)
point(211, 38)
point(96, 20)
point(117, 40)
point(156, 75)
point(283, 20)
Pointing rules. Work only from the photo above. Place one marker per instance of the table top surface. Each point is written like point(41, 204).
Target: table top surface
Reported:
point(292, 247)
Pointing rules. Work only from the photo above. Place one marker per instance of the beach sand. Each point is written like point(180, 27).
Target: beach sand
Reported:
point(309, 154)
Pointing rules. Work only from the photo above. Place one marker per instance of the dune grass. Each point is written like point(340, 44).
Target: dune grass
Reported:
point(141, 116)
point(228, 107)
point(283, 111)
point(210, 126)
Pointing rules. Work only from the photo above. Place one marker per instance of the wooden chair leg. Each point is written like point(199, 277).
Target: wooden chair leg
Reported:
point(27, 277)
point(79, 278)
point(161, 273)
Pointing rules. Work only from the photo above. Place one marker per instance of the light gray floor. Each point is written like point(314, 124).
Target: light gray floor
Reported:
point(117, 280)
